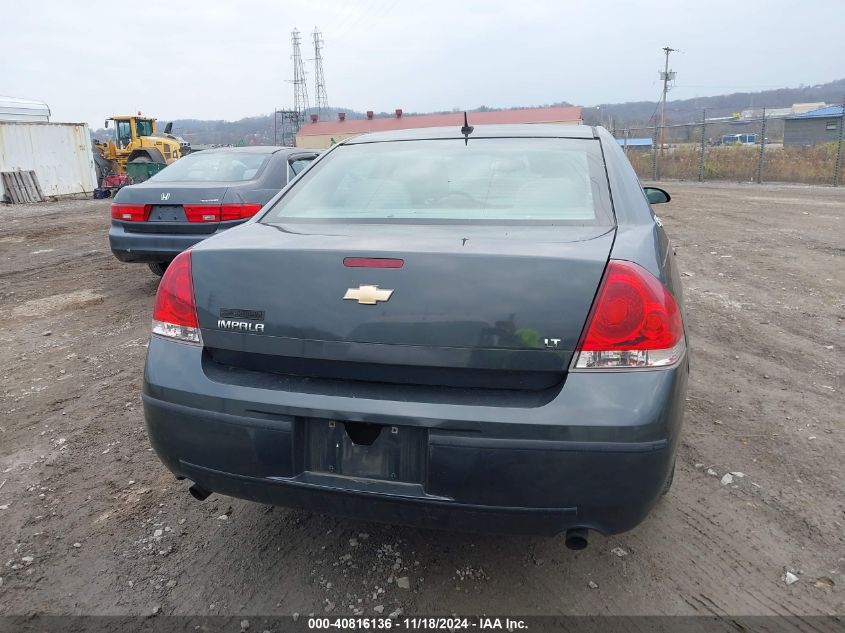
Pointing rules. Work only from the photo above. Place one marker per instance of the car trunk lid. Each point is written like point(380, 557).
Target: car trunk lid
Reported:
point(469, 306)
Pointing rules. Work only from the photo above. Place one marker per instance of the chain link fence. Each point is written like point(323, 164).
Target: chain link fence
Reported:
point(746, 150)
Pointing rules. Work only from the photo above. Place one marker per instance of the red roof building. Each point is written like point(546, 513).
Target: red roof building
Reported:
point(320, 134)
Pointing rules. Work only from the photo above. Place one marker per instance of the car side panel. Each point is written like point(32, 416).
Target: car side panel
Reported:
point(640, 236)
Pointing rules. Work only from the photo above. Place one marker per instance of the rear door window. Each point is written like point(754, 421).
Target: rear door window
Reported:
point(487, 180)
point(297, 164)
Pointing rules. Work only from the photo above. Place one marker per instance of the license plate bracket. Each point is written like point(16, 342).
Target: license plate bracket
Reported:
point(370, 451)
point(167, 213)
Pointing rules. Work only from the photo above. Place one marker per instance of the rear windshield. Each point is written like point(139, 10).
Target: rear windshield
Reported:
point(484, 181)
point(214, 166)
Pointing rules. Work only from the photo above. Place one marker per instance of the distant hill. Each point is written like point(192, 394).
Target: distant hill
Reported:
point(258, 130)
point(688, 110)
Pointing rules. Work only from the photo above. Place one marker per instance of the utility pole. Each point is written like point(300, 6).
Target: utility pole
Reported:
point(300, 86)
point(762, 149)
point(838, 175)
point(322, 100)
point(701, 149)
point(285, 127)
point(667, 76)
point(654, 172)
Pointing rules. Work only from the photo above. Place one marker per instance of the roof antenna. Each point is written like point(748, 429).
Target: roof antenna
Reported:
point(467, 129)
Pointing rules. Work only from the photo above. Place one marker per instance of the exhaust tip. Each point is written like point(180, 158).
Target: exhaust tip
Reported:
point(576, 539)
point(199, 493)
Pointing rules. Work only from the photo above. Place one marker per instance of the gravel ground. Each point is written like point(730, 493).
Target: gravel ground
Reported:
point(92, 523)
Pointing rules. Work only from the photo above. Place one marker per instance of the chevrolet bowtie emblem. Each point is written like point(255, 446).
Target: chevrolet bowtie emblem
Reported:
point(368, 295)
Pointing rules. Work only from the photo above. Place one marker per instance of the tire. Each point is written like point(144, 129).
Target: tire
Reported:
point(668, 484)
point(158, 267)
point(141, 159)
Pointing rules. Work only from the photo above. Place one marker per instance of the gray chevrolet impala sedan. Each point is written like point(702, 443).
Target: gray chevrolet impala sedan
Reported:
point(458, 328)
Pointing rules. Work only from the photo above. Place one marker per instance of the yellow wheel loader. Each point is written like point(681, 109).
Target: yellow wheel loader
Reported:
point(137, 143)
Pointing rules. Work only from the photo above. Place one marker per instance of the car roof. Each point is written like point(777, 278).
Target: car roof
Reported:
point(256, 149)
point(523, 130)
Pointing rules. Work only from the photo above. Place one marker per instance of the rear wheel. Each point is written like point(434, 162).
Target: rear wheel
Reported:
point(159, 267)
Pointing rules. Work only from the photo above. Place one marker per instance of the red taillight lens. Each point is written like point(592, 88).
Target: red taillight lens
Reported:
point(202, 212)
point(130, 212)
point(239, 210)
point(635, 322)
point(218, 212)
point(175, 311)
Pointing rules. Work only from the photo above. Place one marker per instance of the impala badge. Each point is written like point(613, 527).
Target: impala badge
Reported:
point(368, 295)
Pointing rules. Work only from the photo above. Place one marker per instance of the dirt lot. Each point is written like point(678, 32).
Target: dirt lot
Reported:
point(90, 522)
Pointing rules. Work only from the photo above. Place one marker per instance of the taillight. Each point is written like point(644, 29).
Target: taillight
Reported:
point(130, 212)
point(175, 312)
point(221, 212)
point(239, 210)
point(202, 212)
point(634, 322)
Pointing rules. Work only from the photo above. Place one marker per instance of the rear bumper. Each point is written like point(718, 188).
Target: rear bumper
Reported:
point(134, 247)
point(597, 456)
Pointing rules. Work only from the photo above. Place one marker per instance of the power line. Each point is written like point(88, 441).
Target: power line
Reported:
point(656, 108)
point(320, 95)
point(350, 24)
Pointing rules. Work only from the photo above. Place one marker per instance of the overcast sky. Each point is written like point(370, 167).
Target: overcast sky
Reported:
point(209, 59)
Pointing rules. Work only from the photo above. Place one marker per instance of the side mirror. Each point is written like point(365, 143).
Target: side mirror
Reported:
point(656, 195)
point(168, 127)
point(106, 124)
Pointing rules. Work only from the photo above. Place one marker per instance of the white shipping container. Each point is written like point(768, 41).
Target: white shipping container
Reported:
point(59, 153)
point(14, 109)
